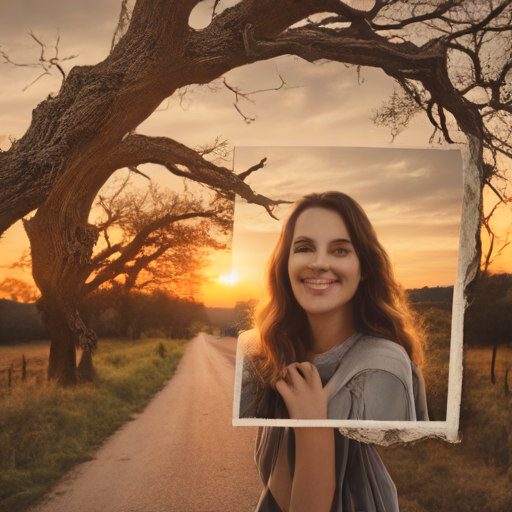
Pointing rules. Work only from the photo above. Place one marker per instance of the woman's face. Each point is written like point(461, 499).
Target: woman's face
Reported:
point(321, 242)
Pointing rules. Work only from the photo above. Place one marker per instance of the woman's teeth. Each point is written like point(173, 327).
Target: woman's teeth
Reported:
point(319, 285)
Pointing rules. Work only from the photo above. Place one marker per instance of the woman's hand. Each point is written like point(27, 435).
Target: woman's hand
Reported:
point(302, 392)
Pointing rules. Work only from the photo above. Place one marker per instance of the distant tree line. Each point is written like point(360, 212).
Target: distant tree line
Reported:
point(20, 322)
point(113, 313)
point(434, 294)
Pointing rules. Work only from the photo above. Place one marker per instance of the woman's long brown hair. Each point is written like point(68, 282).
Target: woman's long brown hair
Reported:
point(380, 308)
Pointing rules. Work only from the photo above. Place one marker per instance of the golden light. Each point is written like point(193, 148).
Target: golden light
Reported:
point(229, 279)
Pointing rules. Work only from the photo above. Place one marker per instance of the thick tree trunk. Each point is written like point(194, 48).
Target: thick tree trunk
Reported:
point(59, 271)
point(62, 365)
point(68, 333)
point(64, 342)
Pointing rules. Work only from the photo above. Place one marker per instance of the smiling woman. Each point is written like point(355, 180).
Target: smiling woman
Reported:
point(334, 340)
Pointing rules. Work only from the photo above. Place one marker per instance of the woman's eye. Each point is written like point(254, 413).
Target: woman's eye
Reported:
point(303, 248)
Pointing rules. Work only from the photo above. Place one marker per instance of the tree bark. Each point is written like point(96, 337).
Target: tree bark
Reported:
point(62, 364)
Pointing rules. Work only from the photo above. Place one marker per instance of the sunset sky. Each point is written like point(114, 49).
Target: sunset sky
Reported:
point(315, 132)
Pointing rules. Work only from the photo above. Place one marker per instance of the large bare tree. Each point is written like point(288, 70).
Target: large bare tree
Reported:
point(438, 51)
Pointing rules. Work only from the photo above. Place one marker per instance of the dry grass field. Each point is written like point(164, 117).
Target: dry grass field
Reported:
point(474, 475)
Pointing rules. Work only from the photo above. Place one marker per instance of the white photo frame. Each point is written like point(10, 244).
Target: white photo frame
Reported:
point(387, 432)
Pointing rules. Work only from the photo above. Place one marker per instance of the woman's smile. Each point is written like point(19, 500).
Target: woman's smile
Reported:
point(318, 286)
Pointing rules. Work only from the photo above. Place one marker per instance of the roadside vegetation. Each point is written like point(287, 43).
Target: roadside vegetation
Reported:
point(46, 429)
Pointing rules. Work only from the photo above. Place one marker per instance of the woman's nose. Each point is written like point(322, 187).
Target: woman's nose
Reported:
point(319, 264)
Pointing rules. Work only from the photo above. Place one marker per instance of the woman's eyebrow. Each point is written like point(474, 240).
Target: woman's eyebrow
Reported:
point(307, 239)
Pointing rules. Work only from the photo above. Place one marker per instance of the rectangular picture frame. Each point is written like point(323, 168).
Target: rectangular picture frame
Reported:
point(394, 432)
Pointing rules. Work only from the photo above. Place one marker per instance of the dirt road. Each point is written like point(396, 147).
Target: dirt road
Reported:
point(181, 454)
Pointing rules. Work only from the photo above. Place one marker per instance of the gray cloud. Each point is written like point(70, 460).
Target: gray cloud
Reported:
point(410, 180)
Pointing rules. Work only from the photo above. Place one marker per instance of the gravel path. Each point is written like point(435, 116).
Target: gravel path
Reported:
point(181, 454)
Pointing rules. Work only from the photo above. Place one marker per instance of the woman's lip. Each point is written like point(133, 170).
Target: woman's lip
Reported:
point(319, 291)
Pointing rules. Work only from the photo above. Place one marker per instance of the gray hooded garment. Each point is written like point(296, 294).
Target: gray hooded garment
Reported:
point(370, 379)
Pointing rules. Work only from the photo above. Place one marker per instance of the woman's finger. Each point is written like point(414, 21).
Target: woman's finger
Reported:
point(310, 373)
point(297, 376)
point(306, 367)
point(313, 377)
point(283, 388)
